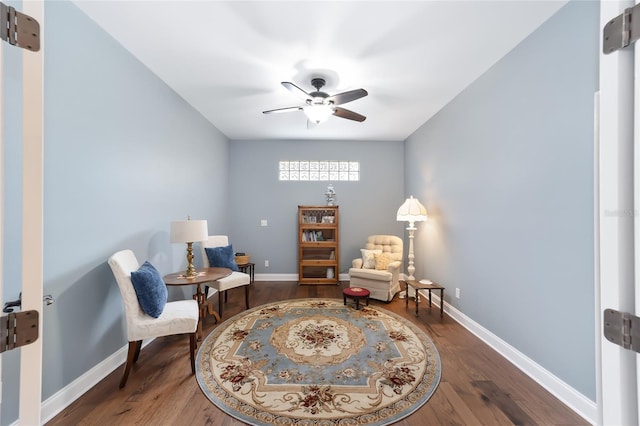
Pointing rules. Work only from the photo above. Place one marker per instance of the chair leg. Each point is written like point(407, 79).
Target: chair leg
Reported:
point(220, 303)
point(192, 349)
point(132, 356)
point(246, 295)
point(138, 346)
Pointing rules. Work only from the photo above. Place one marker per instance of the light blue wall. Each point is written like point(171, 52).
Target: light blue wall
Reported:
point(124, 156)
point(366, 207)
point(506, 173)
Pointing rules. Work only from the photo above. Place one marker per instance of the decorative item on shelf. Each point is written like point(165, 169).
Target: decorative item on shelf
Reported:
point(330, 273)
point(411, 211)
point(331, 195)
point(242, 258)
point(189, 231)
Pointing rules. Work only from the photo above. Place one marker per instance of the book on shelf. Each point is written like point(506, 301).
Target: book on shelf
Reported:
point(312, 236)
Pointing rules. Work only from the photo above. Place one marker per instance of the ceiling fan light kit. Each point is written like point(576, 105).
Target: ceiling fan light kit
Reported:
point(318, 113)
point(319, 105)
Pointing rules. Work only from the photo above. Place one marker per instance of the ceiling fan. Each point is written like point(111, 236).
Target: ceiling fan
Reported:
point(319, 105)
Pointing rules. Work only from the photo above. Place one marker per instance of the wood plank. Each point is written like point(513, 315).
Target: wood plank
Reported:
point(491, 394)
point(462, 410)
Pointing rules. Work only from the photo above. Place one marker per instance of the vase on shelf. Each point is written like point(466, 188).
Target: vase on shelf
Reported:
point(330, 273)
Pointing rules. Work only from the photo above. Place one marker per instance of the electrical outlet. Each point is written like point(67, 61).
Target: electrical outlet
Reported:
point(266, 263)
point(264, 222)
point(457, 293)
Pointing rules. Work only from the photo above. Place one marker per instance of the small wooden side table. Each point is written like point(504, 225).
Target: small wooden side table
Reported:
point(417, 285)
point(247, 268)
point(203, 275)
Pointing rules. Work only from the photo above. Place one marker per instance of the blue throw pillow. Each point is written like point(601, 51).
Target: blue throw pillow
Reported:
point(150, 289)
point(222, 257)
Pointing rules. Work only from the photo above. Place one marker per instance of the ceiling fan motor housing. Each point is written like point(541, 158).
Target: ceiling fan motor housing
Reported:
point(317, 83)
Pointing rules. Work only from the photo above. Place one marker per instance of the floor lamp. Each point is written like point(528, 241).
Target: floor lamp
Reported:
point(411, 211)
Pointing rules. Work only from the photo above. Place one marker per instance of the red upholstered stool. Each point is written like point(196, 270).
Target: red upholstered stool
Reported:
point(356, 293)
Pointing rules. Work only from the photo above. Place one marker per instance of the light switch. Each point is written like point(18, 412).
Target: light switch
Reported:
point(263, 222)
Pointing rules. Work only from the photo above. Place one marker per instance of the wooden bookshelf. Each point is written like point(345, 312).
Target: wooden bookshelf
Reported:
point(318, 245)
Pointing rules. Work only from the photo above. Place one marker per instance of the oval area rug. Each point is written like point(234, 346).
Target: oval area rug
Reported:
point(317, 362)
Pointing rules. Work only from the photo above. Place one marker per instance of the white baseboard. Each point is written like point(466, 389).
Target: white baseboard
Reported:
point(289, 277)
point(579, 403)
point(276, 277)
point(74, 390)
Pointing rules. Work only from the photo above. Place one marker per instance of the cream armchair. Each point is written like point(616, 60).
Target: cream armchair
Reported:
point(381, 279)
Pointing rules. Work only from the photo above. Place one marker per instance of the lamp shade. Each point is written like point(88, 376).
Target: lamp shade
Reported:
point(189, 231)
point(412, 211)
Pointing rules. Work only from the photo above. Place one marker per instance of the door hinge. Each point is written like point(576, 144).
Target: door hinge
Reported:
point(18, 329)
point(19, 29)
point(622, 328)
point(622, 30)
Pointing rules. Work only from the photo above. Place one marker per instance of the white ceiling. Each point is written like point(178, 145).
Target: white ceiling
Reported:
point(227, 58)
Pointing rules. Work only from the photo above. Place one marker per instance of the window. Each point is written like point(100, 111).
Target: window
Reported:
point(319, 170)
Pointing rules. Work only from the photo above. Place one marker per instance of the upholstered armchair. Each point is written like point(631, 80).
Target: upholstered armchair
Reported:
point(236, 279)
point(378, 268)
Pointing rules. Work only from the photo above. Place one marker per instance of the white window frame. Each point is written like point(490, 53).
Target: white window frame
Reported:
point(318, 171)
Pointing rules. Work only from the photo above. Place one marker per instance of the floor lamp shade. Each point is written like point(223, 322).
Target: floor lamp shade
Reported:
point(411, 211)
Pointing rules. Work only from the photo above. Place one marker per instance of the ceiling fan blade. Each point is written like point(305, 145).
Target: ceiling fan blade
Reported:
point(343, 98)
point(289, 109)
point(296, 90)
point(349, 115)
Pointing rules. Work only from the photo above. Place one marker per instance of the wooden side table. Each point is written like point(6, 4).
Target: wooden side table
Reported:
point(203, 275)
point(417, 285)
point(247, 268)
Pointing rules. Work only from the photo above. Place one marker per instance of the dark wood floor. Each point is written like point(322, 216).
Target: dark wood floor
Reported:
point(478, 386)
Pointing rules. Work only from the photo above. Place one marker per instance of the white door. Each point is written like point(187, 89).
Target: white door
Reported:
point(32, 220)
point(1, 196)
point(617, 223)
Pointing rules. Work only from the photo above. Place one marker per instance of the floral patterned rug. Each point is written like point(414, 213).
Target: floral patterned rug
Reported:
point(317, 362)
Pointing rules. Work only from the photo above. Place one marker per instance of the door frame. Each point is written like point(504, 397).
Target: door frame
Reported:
point(32, 216)
point(616, 217)
point(2, 180)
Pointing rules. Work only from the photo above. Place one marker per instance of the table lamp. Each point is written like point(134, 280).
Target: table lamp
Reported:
point(411, 211)
point(189, 231)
